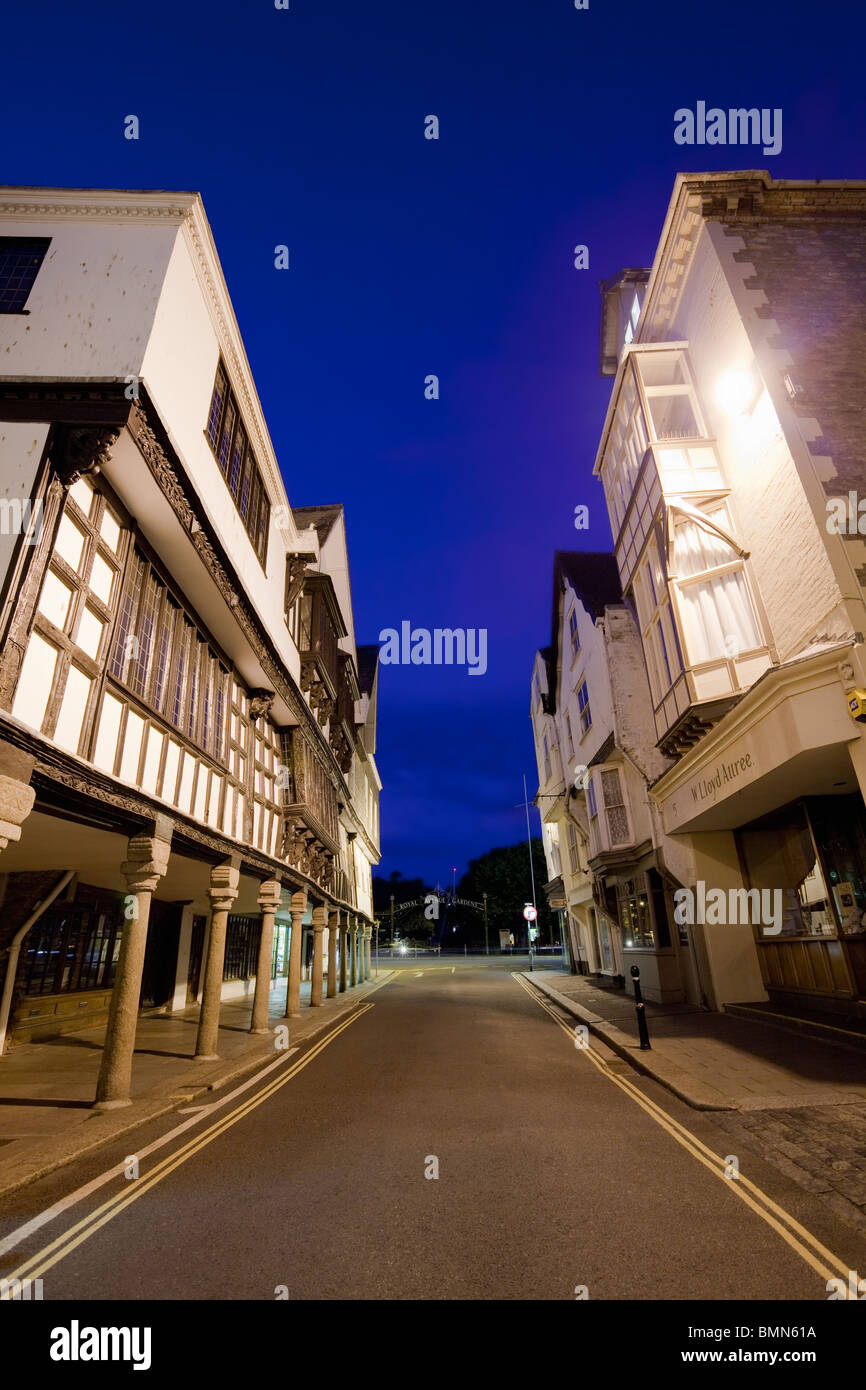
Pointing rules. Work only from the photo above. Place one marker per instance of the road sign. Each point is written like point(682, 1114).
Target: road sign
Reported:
point(530, 913)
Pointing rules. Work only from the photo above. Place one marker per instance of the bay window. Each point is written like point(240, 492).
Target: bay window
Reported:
point(717, 612)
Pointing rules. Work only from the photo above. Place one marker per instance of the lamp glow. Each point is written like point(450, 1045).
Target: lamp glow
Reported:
point(735, 392)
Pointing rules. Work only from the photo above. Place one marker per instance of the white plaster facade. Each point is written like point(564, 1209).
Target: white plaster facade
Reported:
point(127, 325)
point(750, 609)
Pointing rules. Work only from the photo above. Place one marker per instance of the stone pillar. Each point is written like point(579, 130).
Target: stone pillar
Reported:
point(344, 944)
point(332, 953)
point(293, 987)
point(367, 934)
point(224, 879)
point(320, 924)
point(353, 932)
point(270, 897)
point(146, 865)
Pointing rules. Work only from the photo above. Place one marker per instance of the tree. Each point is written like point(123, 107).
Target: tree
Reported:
point(411, 921)
point(504, 875)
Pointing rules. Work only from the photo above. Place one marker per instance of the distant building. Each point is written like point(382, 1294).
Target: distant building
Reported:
point(187, 725)
point(594, 740)
point(732, 464)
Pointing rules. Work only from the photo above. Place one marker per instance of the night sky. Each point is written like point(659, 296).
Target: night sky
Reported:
point(411, 256)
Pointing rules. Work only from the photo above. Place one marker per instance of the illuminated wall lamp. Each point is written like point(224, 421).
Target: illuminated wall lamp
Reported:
point(736, 391)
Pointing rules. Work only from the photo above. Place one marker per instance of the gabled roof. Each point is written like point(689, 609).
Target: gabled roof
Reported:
point(592, 574)
point(368, 659)
point(595, 579)
point(322, 518)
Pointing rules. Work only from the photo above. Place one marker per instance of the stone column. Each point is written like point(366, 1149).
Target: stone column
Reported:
point(320, 924)
point(353, 932)
point(344, 944)
point(224, 880)
point(270, 897)
point(367, 935)
point(332, 953)
point(293, 986)
point(146, 865)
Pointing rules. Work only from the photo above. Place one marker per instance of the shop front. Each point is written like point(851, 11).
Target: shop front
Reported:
point(812, 851)
point(771, 804)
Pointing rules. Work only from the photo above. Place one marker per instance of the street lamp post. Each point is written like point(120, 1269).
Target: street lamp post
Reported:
point(531, 872)
point(486, 938)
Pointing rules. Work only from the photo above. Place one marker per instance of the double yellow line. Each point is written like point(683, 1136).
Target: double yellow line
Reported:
point(64, 1244)
point(807, 1246)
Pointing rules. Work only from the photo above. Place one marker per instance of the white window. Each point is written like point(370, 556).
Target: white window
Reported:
point(718, 616)
point(553, 858)
point(573, 852)
point(670, 396)
point(568, 733)
point(583, 706)
point(604, 792)
point(573, 632)
point(34, 682)
point(615, 812)
point(72, 709)
point(656, 623)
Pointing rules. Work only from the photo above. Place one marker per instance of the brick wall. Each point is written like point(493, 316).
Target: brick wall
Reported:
point(813, 273)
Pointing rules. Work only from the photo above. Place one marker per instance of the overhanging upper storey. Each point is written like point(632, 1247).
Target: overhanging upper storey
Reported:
point(676, 549)
point(621, 302)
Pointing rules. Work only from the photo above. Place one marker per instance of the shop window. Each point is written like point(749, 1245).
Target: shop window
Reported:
point(635, 918)
point(779, 854)
point(839, 830)
point(242, 945)
point(72, 948)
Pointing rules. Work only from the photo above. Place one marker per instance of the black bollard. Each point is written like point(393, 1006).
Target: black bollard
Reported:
point(640, 1010)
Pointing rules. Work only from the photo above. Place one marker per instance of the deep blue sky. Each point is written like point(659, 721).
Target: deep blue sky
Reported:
point(410, 256)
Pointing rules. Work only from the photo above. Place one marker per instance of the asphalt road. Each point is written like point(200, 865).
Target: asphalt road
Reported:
point(558, 1170)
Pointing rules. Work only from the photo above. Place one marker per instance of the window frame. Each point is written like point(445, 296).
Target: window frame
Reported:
point(8, 244)
point(584, 709)
point(229, 442)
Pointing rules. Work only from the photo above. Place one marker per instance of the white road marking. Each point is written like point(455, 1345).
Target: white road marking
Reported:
point(25, 1231)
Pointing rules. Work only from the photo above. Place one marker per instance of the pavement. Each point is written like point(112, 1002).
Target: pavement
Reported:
point(798, 1100)
point(47, 1114)
point(448, 1142)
